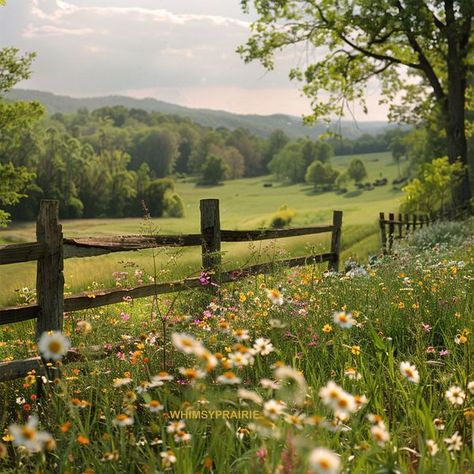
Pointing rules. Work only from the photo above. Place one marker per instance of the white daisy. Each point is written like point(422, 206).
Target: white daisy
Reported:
point(53, 345)
point(122, 420)
point(410, 372)
point(343, 319)
point(454, 443)
point(229, 378)
point(324, 461)
point(274, 296)
point(431, 447)
point(263, 346)
point(187, 344)
point(273, 409)
point(455, 395)
point(29, 437)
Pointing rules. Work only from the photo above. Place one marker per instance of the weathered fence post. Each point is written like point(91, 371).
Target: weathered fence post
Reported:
point(414, 222)
point(335, 241)
point(391, 231)
point(383, 234)
point(211, 237)
point(400, 228)
point(49, 277)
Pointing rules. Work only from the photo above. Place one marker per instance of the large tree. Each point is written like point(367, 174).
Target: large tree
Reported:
point(418, 49)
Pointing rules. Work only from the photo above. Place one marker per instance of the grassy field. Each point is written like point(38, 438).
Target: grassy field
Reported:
point(369, 373)
point(244, 204)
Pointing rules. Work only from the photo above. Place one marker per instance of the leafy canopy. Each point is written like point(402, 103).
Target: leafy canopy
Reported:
point(356, 41)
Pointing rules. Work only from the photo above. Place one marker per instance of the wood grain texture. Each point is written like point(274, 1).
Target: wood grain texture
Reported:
point(27, 252)
point(266, 234)
point(335, 241)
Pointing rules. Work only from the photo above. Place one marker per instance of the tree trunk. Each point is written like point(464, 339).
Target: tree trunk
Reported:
point(455, 109)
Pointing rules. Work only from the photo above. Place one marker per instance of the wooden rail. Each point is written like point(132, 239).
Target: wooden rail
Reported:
point(51, 249)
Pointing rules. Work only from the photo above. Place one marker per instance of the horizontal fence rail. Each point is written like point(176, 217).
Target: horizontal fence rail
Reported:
point(51, 249)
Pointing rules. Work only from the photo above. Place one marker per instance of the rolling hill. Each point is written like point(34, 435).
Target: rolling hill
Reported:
point(261, 125)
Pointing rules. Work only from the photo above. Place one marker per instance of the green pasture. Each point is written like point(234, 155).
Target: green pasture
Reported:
point(244, 204)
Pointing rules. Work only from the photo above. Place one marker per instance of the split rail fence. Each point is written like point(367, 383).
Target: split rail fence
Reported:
point(51, 249)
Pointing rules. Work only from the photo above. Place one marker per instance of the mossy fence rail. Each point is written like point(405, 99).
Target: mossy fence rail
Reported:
point(51, 249)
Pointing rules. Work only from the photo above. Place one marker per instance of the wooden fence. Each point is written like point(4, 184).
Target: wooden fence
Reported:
point(400, 226)
point(51, 249)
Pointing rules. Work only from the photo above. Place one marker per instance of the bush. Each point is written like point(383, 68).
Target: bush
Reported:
point(174, 205)
point(282, 217)
point(444, 234)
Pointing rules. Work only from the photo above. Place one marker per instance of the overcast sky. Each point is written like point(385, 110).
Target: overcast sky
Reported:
point(179, 51)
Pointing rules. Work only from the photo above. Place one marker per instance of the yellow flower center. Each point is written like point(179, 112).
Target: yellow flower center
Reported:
point(55, 347)
point(28, 433)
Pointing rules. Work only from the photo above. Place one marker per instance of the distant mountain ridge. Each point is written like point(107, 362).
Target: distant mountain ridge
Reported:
point(261, 125)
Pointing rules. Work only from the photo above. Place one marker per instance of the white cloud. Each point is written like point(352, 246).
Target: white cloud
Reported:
point(65, 9)
point(32, 31)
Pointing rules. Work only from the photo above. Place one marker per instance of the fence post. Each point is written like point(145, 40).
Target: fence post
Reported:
point(414, 222)
point(211, 236)
point(391, 231)
point(400, 228)
point(383, 234)
point(335, 241)
point(407, 224)
point(49, 279)
point(49, 276)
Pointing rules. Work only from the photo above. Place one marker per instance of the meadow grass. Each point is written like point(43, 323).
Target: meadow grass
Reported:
point(354, 331)
point(244, 204)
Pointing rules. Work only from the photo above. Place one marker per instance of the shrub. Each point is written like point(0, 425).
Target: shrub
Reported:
point(282, 217)
point(174, 205)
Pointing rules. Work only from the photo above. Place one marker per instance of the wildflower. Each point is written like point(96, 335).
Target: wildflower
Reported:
point(380, 434)
point(83, 327)
point(249, 395)
point(53, 345)
point(343, 319)
point(409, 372)
point(454, 443)
point(324, 461)
point(263, 346)
point(175, 426)
point(455, 395)
point(239, 359)
point(187, 344)
point(431, 447)
point(168, 458)
point(81, 439)
point(327, 328)
point(192, 373)
point(162, 376)
point(143, 387)
point(241, 334)
point(439, 424)
point(204, 278)
point(273, 409)
point(121, 382)
point(289, 374)
point(154, 406)
point(276, 324)
point(270, 384)
point(229, 378)
point(123, 420)
point(28, 436)
point(295, 420)
point(352, 374)
point(182, 436)
point(470, 387)
point(274, 296)
point(355, 350)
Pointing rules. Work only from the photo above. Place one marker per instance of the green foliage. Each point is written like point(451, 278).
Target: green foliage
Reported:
point(214, 170)
point(356, 170)
point(431, 191)
point(174, 205)
point(155, 195)
point(13, 182)
point(321, 174)
point(282, 217)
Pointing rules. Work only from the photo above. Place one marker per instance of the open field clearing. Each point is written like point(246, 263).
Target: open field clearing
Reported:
point(287, 372)
point(244, 204)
